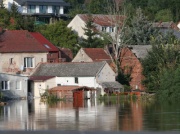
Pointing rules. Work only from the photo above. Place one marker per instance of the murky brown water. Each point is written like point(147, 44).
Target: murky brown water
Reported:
point(91, 115)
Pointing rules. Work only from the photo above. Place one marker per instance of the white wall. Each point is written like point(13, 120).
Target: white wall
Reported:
point(82, 81)
point(77, 26)
point(39, 87)
point(12, 91)
point(106, 74)
point(81, 56)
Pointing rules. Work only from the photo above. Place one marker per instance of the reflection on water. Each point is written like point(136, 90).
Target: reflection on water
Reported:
point(92, 115)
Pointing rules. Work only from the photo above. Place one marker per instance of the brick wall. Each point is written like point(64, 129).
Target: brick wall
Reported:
point(131, 64)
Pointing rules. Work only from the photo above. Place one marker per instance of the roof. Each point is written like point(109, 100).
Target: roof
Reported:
point(97, 54)
point(40, 78)
point(140, 50)
point(70, 69)
point(45, 2)
point(176, 33)
point(66, 53)
point(113, 84)
point(101, 19)
point(19, 41)
point(44, 42)
point(69, 88)
point(163, 24)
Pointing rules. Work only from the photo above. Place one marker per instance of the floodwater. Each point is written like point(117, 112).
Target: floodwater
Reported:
point(91, 115)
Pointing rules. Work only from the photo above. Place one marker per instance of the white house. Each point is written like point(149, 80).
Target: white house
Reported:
point(13, 86)
point(42, 10)
point(103, 23)
point(90, 74)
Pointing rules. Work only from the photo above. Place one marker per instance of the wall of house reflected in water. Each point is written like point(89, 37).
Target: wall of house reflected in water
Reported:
point(89, 115)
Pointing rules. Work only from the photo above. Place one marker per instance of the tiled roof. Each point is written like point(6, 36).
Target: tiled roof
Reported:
point(40, 78)
point(102, 20)
point(70, 69)
point(19, 41)
point(44, 42)
point(97, 54)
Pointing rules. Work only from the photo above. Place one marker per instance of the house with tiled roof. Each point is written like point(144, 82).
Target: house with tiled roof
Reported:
point(103, 23)
point(90, 74)
point(91, 55)
point(20, 53)
point(130, 63)
point(42, 10)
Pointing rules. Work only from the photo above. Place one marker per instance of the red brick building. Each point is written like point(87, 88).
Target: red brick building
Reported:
point(130, 60)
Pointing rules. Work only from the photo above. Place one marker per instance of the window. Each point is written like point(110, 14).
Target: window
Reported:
point(5, 85)
point(28, 62)
point(11, 61)
point(43, 9)
point(76, 80)
point(104, 29)
point(18, 85)
point(111, 29)
point(31, 9)
point(56, 9)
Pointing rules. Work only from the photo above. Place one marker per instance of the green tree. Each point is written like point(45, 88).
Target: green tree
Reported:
point(141, 30)
point(59, 34)
point(15, 21)
point(5, 18)
point(97, 6)
point(91, 40)
point(161, 57)
point(164, 15)
point(169, 88)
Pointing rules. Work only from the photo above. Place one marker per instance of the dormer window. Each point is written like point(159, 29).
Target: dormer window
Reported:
point(46, 46)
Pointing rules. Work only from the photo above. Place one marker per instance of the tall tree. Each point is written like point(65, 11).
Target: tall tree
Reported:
point(141, 30)
point(15, 21)
point(118, 19)
point(91, 40)
point(164, 55)
point(5, 18)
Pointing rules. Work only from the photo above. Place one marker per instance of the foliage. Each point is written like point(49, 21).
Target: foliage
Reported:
point(141, 30)
point(124, 79)
point(5, 18)
point(59, 34)
point(97, 6)
point(162, 56)
point(151, 7)
point(169, 88)
point(92, 41)
point(13, 20)
point(164, 15)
